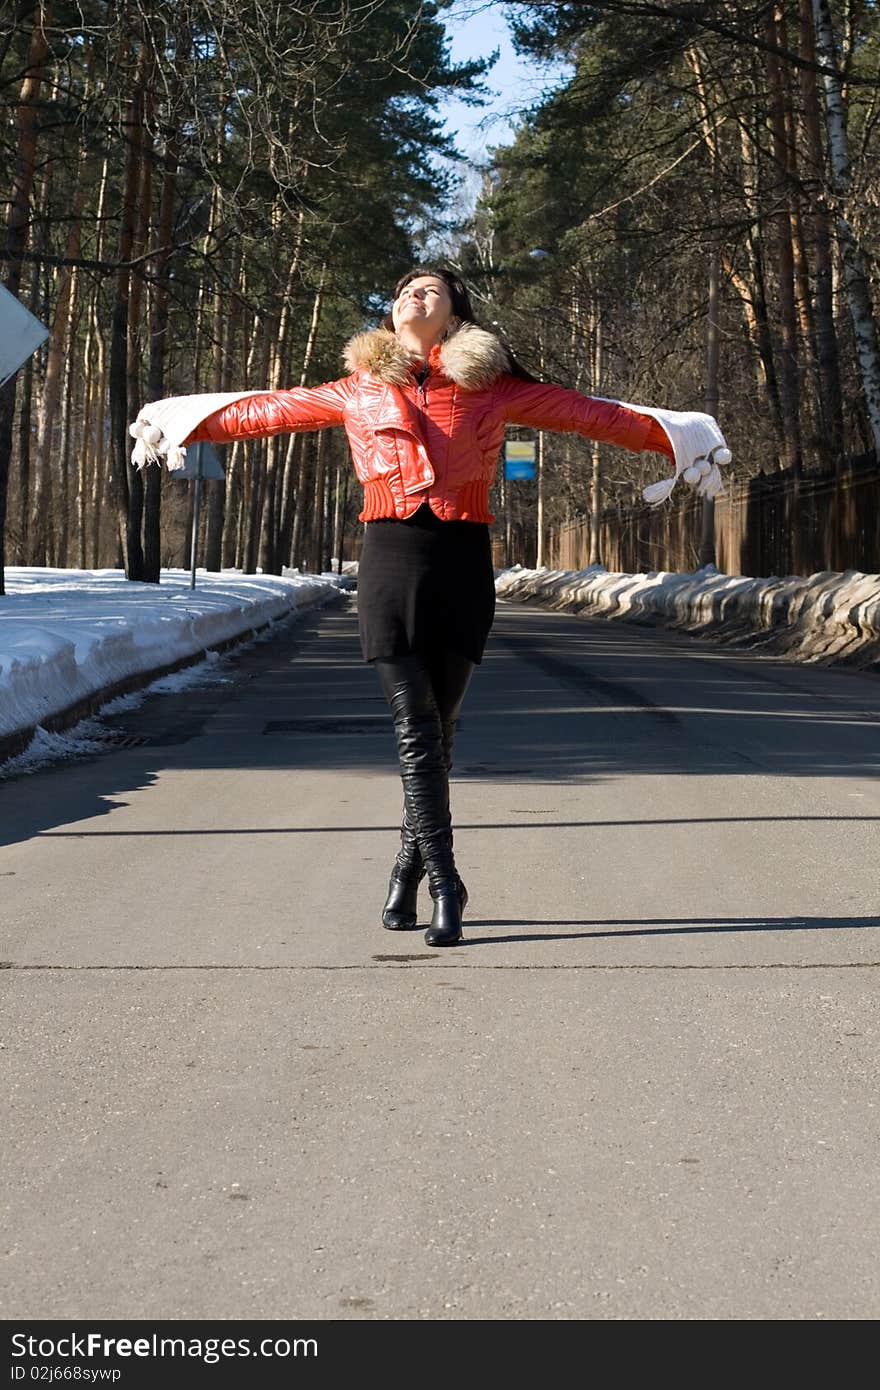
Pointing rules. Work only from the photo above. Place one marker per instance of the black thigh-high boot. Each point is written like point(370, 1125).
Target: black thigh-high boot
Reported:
point(420, 745)
point(450, 672)
point(400, 912)
point(448, 727)
point(426, 790)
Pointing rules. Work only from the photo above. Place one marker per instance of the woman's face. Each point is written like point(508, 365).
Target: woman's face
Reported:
point(425, 305)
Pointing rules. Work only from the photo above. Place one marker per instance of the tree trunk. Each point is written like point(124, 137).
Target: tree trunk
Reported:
point(320, 482)
point(789, 376)
point(266, 546)
point(255, 510)
point(58, 353)
point(158, 357)
point(233, 484)
point(595, 350)
point(216, 489)
point(296, 471)
point(24, 436)
point(134, 357)
point(831, 397)
point(855, 276)
point(539, 461)
point(219, 492)
point(61, 549)
point(17, 229)
point(711, 136)
point(271, 557)
point(337, 505)
point(754, 246)
point(92, 446)
point(297, 558)
point(240, 469)
point(712, 394)
point(120, 440)
point(340, 550)
point(289, 491)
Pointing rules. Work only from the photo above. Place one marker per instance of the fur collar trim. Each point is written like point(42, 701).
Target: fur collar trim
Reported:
point(471, 357)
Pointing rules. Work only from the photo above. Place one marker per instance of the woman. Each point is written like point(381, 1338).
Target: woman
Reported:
point(425, 406)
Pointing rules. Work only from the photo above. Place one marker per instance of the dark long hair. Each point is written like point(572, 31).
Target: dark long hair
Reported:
point(462, 309)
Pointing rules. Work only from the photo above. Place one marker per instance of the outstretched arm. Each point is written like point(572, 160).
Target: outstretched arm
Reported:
point(275, 412)
point(545, 406)
point(691, 439)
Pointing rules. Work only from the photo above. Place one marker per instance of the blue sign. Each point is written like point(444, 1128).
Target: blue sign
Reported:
point(519, 458)
point(516, 468)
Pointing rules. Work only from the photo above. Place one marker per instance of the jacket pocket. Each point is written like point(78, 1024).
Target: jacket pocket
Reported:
point(386, 452)
point(400, 450)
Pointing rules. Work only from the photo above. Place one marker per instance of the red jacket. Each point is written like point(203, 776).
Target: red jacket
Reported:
point(438, 441)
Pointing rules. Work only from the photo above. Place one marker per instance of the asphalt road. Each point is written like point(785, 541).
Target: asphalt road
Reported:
point(644, 1087)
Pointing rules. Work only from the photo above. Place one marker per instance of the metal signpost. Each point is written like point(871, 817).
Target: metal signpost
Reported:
point(519, 465)
point(202, 462)
point(20, 334)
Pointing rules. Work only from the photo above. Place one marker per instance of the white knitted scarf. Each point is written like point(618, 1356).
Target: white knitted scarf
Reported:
point(162, 425)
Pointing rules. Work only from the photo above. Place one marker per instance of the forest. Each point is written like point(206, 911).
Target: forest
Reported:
point(203, 196)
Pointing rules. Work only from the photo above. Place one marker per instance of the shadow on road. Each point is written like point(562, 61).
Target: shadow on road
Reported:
point(557, 702)
point(675, 926)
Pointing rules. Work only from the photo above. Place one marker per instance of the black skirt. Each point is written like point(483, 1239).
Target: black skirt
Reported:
point(425, 584)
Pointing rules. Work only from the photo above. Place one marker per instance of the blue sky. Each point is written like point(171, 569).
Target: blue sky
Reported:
point(515, 83)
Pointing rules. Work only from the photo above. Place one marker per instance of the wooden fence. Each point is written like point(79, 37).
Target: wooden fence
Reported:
point(774, 524)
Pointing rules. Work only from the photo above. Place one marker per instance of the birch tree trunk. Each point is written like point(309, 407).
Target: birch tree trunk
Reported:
point(855, 275)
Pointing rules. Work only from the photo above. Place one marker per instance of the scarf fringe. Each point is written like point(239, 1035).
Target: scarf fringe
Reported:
point(699, 447)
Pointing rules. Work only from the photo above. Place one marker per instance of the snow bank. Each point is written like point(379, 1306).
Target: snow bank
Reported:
point(66, 635)
point(824, 618)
